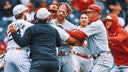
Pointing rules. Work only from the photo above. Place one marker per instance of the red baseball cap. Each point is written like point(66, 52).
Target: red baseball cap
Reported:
point(94, 7)
point(52, 7)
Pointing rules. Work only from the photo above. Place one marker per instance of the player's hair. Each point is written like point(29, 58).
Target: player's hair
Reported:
point(83, 13)
point(19, 16)
point(69, 9)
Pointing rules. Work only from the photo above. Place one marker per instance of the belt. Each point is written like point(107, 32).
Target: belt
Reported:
point(63, 53)
point(99, 54)
point(81, 55)
point(14, 48)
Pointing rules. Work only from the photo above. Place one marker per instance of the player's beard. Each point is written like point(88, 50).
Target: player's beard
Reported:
point(61, 18)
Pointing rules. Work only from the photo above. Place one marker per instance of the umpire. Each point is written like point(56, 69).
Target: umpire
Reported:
point(43, 40)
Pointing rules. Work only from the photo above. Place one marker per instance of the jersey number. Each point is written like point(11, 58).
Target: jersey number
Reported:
point(10, 36)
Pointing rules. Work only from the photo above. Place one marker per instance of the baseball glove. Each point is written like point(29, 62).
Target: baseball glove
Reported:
point(76, 33)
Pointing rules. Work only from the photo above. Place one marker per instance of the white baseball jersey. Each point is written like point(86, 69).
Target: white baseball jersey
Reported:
point(21, 25)
point(66, 62)
point(79, 62)
point(81, 50)
point(65, 26)
point(63, 34)
point(97, 37)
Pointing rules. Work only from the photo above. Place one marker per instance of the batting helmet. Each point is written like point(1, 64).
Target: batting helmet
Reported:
point(52, 7)
point(94, 7)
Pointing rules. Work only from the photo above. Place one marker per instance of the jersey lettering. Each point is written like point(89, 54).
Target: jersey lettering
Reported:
point(18, 26)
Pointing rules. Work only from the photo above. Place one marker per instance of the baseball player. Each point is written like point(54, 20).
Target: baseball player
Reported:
point(16, 58)
point(43, 40)
point(96, 36)
point(97, 41)
point(82, 58)
point(118, 39)
point(64, 55)
point(53, 10)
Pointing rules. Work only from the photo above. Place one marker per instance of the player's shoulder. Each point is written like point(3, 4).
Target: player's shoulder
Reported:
point(97, 23)
point(70, 24)
point(24, 21)
point(11, 23)
point(67, 22)
point(53, 22)
point(122, 30)
point(21, 22)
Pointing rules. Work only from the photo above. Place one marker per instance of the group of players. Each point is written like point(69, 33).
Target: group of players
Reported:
point(56, 45)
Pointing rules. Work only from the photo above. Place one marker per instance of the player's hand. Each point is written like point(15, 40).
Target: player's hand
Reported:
point(84, 44)
point(12, 28)
point(77, 43)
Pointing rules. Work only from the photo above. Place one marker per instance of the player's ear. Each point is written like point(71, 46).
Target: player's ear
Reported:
point(35, 18)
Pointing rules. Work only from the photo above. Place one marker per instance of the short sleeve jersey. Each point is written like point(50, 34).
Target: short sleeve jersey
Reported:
point(82, 50)
point(97, 37)
point(65, 26)
point(21, 26)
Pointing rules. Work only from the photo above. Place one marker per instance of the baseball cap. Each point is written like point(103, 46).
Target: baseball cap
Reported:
point(43, 13)
point(18, 9)
point(107, 18)
point(52, 7)
point(94, 7)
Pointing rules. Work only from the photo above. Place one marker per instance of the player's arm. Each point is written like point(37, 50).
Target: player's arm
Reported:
point(77, 37)
point(58, 40)
point(121, 36)
point(66, 37)
point(21, 41)
point(75, 42)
